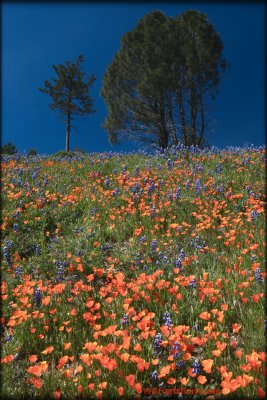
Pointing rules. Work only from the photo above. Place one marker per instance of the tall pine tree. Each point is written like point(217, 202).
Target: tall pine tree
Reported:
point(70, 93)
point(157, 87)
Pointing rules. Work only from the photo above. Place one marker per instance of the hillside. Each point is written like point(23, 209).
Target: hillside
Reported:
point(133, 274)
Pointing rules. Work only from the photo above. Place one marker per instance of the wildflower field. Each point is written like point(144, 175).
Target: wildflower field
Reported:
point(134, 275)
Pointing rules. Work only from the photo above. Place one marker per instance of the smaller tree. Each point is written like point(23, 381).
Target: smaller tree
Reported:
point(9, 148)
point(32, 152)
point(70, 93)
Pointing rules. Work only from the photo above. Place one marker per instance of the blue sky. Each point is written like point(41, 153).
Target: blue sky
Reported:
point(37, 35)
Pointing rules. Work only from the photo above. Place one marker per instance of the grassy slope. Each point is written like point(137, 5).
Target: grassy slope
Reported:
point(117, 250)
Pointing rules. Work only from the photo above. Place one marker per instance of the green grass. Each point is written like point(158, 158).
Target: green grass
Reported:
point(81, 230)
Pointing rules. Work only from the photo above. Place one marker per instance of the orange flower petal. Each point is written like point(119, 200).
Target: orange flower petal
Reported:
point(202, 379)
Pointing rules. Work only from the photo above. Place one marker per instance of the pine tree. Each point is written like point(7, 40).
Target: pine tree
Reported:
point(8, 148)
point(70, 93)
point(157, 87)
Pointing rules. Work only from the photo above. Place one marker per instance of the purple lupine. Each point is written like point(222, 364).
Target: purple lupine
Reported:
point(60, 271)
point(180, 363)
point(219, 168)
point(7, 256)
point(169, 164)
point(220, 188)
point(258, 276)
point(107, 181)
point(253, 215)
point(192, 283)
point(125, 319)
point(178, 193)
point(37, 297)
point(167, 319)
point(16, 214)
point(7, 338)
point(18, 271)
point(154, 375)
point(46, 181)
point(157, 344)
point(196, 367)
point(115, 192)
point(187, 184)
point(153, 212)
point(170, 195)
point(142, 239)
point(138, 260)
point(182, 254)
point(178, 263)
point(151, 187)
point(195, 326)
point(176, 348)
point(153, 246)
point(15, 227)
point(197, 187)
point(34, 175)
point(178, 229)
point(137, 171)
point(37, 250)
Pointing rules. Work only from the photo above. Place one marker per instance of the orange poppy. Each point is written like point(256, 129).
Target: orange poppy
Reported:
point(184, 381)
point(138, 387)
point(130, 379)
point(48, 350)
point(103, 385)
point(221, 346)
point(37, 383)
point(120, 391)
point(137, 347)
point(202, 379)
point(205, 315)
point(207, 365)
point(244, 379)
point(216, 353)
point(164, 371)
point(57, 394)
point(46, 300)
point(37, 370)
point(90, 346)
point(124, 357)
point(238, 353)
point(236, 328)
point(33, 358)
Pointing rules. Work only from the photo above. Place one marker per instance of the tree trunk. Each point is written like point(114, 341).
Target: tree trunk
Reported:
point(193, 116)
point(182, 116)
point(68, 133)
point(163, 131)
point(173, 130)
point(163, 137)
point(200, 140)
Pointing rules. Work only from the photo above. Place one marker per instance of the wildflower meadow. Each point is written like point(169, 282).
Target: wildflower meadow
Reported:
point(134, 275)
